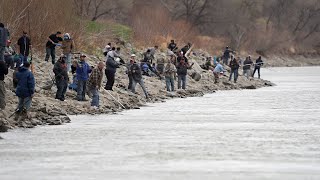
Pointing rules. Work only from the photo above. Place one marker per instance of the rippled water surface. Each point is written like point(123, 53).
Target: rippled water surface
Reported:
point(269, 133)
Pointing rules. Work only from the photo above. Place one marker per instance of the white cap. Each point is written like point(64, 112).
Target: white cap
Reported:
point(133, 55)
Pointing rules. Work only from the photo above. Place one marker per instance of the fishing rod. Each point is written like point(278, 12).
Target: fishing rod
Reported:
point(115, 99)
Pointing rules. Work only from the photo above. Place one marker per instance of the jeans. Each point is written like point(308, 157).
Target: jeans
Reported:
point(62, 86)
point(130, 82)
point(2, 95)
point(23, 58)
point(256, 68)
point(225, 60)
point(2, 48)
point(246, 72)
point(9, 61)
point(110, 79)
point(234, 72)
point(24, 103)
point(51, 52)
point(134, 83)
point(170, 83)
point(95, 97)
point(182, 79)
point(81, 90)
point(68, 61)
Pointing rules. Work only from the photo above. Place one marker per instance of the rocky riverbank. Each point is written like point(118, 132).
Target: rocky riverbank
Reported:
point(46, 110)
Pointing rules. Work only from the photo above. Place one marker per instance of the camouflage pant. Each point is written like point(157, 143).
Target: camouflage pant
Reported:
point(2, 95)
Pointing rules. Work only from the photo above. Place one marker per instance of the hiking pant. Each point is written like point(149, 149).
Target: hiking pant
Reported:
point(9, 61)
point(170, 83)
point(234, 72)
point(2, 48)
point(246, 72)
point(81, 90)
point(130, 82)
point(2, 95)
point(62, 86)
point(68, 61)
point(95, 97)
point(23, 58)
point(182, 79)
point(134, 83)
point(24, 103)
point(51, 52)
point(255, 69)
point(110, 79)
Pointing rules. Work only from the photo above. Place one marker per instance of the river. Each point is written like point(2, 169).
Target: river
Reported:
point(268, 133)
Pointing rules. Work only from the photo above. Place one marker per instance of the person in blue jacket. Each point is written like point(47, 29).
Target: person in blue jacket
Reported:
point(25, 87)
point(82, 73)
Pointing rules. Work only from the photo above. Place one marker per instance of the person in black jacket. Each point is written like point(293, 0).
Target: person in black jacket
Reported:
point(172, 46)
point(234, 65)
point(3, 72)
point(61, 77)
point(111, 69)
point(182, 69)
point(53, 41)
point(257, 66)
point(137, 78)
point(24, 44)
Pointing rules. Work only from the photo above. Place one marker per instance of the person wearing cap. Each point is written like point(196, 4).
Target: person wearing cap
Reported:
point(67, 48)
point(53, 41)
point(3, 73)
point(61, 77)
point(137, 78)
point(82, 72)
point(9, 53)
point(247, 67)
point(129, 64)
point(111, 68)
point(25, 88)
point(106, 49)
point(4, 36)
point(94, 84)
point(24, 44)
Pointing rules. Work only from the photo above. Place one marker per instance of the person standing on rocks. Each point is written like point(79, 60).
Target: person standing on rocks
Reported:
point(234, 65)
point(226, 55)
point(94, 84)
point(137, 78)
point(172, 46)
point(217, 71)
point(24, 44)
point(53, 41)
point(67, 47)
point(82, 72)
point(129, 64)
point(257, 66)
point(4, 36)
point(247, 67)
point(61, 77)
point(182, 69)
point(111, 68)
point(169, 73)
point(9, 53)
point(3, 72)
point(25, 88)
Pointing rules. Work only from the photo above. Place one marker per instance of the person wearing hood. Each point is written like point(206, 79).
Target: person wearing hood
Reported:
point(111, 68)
point(25, 88)
point(257, 66)
point(61, 77)
point(24, 44)
point(67, 47)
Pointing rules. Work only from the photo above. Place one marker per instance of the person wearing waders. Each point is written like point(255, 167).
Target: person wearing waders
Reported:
point(247, 67)
point(257, 66)
point(61, 77)
point(217, 71)
point(111, 68)
point(25, 89)
point(234, 65)
point(129, 64)
point(4, 36)
point(137, 78)
point(67, 48)
point(94, 84)
point(53, 41)
point(3, 73)
point(24, 44)
point(83, 70)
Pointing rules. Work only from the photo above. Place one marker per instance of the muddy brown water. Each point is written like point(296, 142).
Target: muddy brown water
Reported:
point(268, 133)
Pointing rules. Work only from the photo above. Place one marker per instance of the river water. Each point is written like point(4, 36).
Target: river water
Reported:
point(269, 133)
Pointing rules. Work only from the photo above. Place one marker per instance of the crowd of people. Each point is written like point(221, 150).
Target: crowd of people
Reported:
point(87, 80)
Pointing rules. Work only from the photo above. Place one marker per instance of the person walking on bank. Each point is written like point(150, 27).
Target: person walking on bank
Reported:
point(111, 68)
point(3, 72)
point(247, 67)
point(25, 88)
point(182, 69)
point(61, 77)
point(4, 36)
point(257, 66)
point(67, 47)
point(129, 64)
point(82, 72)
point(53, 41)
point(94, 84)
point(234, 65)
point(137, 78)
point(169, 73)
point(24, 44)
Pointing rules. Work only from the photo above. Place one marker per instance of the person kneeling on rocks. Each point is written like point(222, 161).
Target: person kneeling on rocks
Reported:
point(25, 88)
point(217, 71)
point(94, 84)
point(60, 70)
point(137, 78)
